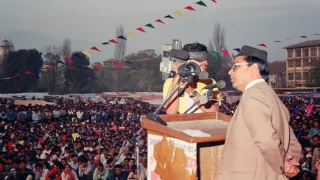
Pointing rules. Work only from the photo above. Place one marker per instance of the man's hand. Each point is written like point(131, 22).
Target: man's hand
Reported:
point(290, 166)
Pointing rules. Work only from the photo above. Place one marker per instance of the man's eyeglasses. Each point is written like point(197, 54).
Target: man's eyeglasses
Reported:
point(235, 64)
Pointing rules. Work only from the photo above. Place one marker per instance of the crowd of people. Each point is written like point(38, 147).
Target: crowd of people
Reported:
point(73, 140)
point(82, 140)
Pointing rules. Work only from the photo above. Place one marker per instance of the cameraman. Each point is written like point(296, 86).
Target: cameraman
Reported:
point(192, 90)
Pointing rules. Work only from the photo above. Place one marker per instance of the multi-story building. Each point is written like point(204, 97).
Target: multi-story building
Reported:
point(300, 58)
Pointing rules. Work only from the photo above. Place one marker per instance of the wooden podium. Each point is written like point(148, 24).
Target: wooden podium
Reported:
point(188, 148)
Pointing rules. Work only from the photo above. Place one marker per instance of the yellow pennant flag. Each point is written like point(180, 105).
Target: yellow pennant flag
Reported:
point(90, 66)
point(74, 136)
point(178, 12)
point(45, 70)
point(85, 52)
point(131, 34)
point(21, 142)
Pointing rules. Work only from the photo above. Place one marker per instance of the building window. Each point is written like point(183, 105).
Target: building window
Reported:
point(305, 62)
point(298, 62)
point(290, 53)
point(298, 75)
point(305, 52)
point(313, 51)
point(290, 76)
point(298, 52)
point(314, 61)
point(290, 63)
point(305, 75)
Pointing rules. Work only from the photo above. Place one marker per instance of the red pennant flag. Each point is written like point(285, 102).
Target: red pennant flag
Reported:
point(64, 136)
point(262, 44)
point(28, 73)
point(214, 1)
point(113, 41)
point(117, 64)
point(159, 21)
point(225, 52)
point(95, 48)
point(68, 59)
point(141, 29)
point(190, 8)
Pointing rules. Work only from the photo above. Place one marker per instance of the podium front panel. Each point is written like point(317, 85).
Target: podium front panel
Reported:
point(171, 158)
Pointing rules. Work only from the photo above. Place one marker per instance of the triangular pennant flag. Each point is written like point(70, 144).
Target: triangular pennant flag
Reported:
point(61, 62)
point(74, 136)
point(315, 34)
point(64, 136)
point(159, 21)
point(303, 36)
point(21, 142)
point(288, 38)
point(105, 43)
point(190, 8)
point(140, 29)
point(68, 59)
point(225, 52)
point(128, 62)
point(95, 49)
point(108, 65)
point(131, 34)
point(150, 25)
point(85, 52)
point(122, 37)
point(237, 49)
point(262, 45)
point(90, 66)
point(178, 12)
point(169, 16)
point(214, 1)
point(277, 41)
point(28, 73)
point(117, 64)
point(201, 3)
point(98, 66)
point(214, 54)
point(113, 41)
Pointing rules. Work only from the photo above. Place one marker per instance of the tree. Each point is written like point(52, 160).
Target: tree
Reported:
point(17, 64)
point(79, 78)
point(314, 76)
point(52, 78)
point(66, 48)
point(120, 48)
point(278, 70)
point(219, 66)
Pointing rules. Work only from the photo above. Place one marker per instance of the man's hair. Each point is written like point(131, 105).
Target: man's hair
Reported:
point(195, 47)
point(262, 65)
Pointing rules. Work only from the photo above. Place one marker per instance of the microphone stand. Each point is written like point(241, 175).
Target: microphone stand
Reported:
point(209, 94)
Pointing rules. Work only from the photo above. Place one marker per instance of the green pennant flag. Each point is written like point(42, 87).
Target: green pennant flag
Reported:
point(201, 3)
point(105, 43)
point(108, 65)
point(150, 26)
point(61, 62)
point(214, 54)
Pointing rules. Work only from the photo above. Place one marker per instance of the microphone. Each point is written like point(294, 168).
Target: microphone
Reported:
point(179, 54)
point(203, 75)
point(220, 85)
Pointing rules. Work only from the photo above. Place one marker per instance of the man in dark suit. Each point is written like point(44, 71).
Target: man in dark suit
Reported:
point(260, 144)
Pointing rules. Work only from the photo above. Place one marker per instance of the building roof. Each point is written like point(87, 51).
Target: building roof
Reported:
point(309, 43)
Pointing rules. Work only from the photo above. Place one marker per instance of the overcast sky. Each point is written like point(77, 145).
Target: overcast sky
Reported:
point(37, 23)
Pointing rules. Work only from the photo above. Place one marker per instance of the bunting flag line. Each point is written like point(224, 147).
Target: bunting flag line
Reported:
point(303, 36)
point(237, 49)
point(105, 43)
point(225, 51)
point(85, 52)
point(215, 1)
point(68, 59)
point(214, 54)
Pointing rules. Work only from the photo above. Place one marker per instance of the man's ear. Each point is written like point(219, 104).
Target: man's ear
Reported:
point(254, 68)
